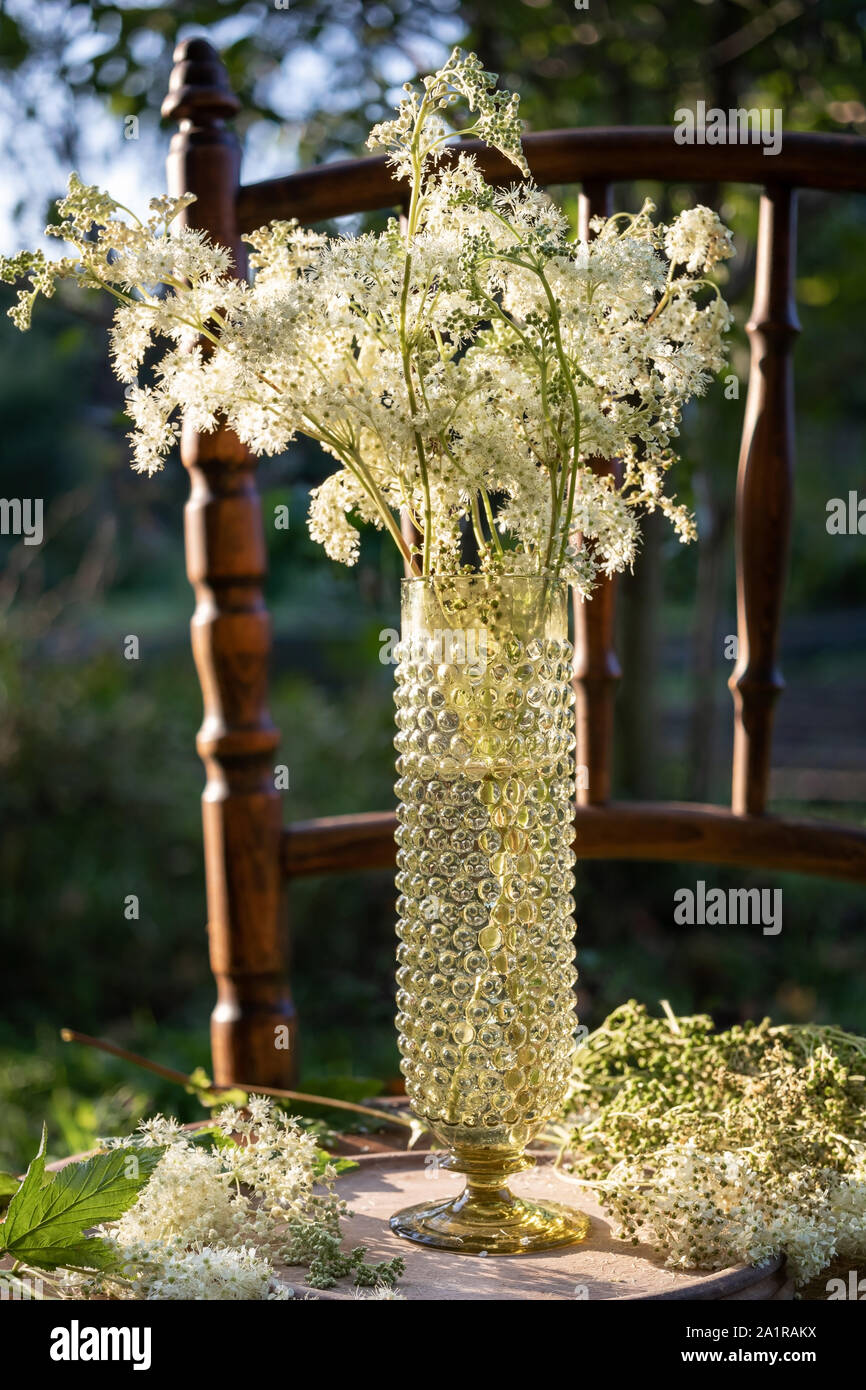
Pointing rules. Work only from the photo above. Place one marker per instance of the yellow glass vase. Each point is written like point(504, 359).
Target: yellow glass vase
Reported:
point(486, 803)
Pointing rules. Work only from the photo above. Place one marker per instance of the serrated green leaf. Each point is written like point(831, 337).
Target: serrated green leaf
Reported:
point(88, 1253)
point(47, 1220)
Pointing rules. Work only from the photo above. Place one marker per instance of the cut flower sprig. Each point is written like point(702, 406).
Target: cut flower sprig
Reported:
point(723, 1147)
point(466, 367)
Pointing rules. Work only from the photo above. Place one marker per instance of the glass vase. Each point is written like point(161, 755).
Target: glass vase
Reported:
point(486, 1017)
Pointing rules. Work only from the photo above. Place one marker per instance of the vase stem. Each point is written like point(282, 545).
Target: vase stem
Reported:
point(487, 1218)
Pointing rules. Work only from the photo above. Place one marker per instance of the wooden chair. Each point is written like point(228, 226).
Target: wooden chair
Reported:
point(248, 854)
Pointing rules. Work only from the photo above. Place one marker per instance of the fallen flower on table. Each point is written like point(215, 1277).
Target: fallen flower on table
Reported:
point(720, 1148)
point(204, 1215)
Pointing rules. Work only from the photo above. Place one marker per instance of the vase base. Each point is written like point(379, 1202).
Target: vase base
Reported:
point(471, 1227)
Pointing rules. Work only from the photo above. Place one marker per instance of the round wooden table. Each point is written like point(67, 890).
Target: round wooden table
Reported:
point(599, 1268)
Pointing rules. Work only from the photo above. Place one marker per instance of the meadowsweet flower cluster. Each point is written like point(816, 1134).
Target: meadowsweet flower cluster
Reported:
point(216, 1217)
point(728, 1147)
point(381, 1293)
point(223, 1272)
point(468, 367)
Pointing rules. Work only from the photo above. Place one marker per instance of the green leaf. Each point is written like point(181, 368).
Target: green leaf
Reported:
point(200, 1087)
point(325, 1160)
point(47, 1219)
point(9, 1185)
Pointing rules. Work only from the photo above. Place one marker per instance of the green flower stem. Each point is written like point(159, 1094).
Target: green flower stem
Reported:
point(411, 228)
point(477, 526)
point(491, 521)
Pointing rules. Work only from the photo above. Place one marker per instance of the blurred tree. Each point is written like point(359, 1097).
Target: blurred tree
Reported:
point(314, 76)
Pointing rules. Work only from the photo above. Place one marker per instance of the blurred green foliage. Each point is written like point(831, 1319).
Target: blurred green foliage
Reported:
point(99, 780)
point(316, 76)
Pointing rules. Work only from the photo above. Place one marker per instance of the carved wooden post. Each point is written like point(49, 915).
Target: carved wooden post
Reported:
point(764, 490)
point(596, 669)
point(253, 1023)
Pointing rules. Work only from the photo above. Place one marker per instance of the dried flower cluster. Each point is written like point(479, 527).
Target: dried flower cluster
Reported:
point(727, 1147)
point(467, 366)
point(215, 1218)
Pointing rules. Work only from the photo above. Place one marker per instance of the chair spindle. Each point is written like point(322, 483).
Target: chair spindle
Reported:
point(764, 499)
point(596, 669)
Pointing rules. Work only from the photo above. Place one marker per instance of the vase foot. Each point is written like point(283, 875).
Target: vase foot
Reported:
point(508, 1226)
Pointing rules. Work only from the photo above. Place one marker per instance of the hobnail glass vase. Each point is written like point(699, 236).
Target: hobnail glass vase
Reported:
point(486, 1004)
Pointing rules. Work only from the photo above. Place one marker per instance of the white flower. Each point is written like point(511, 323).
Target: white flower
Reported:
point(189, 1195)
point(380, 1293)
point(215, 1218)
point(222, 1273)
point(698, 239)
point(469, 368)
point(328, 521)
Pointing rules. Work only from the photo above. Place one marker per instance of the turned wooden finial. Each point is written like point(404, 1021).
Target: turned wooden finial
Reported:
point(205, 154)
point(199, 85)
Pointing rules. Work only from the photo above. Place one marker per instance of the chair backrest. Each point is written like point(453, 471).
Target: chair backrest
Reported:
point(248, 854)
